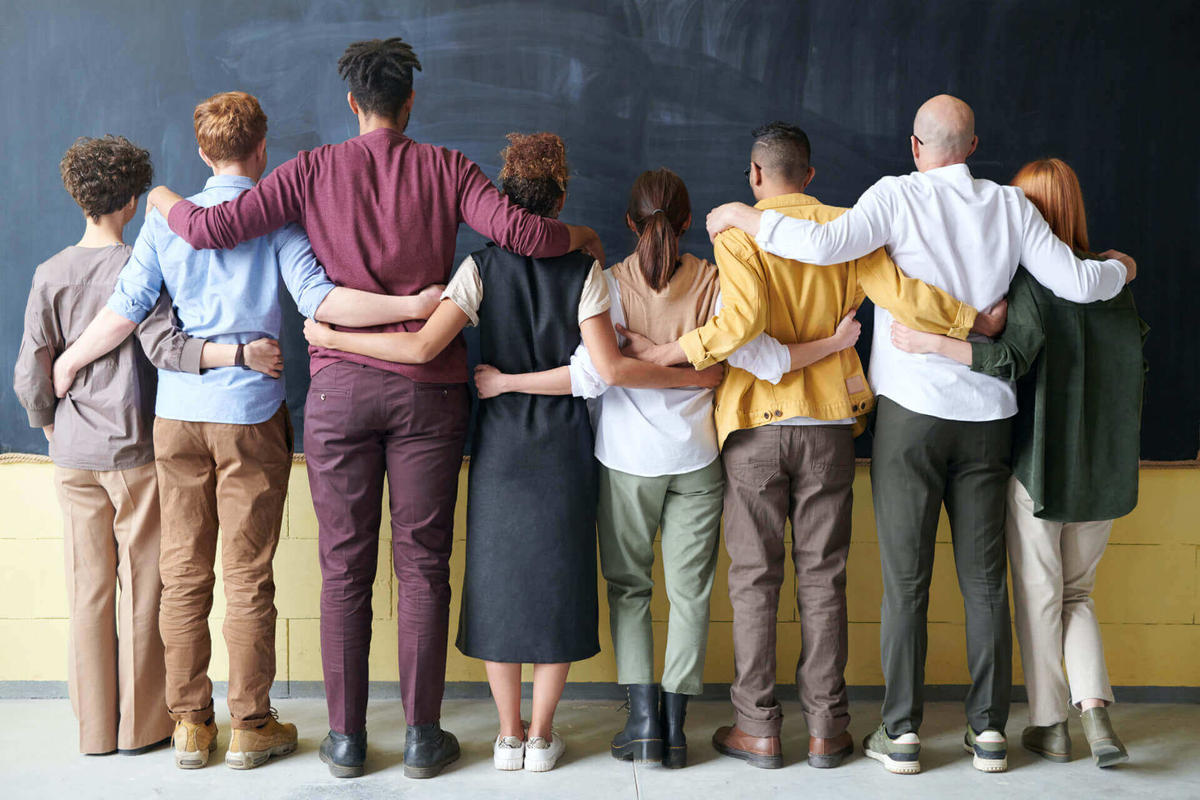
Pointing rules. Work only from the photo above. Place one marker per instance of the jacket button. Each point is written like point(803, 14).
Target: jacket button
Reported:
point(778, 413)
point(322, 395)
point(766, 415)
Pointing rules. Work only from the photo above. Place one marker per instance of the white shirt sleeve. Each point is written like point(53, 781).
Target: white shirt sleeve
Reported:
point(1052, 263)
point(856, 233)
point(764, 356)
point(585, 378)
point(465, 289)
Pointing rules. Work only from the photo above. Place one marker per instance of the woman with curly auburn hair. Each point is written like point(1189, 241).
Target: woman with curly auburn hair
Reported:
point(529, 592)
point(1080, 373)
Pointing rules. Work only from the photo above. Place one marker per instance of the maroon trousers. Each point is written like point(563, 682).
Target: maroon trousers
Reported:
point(363, 425)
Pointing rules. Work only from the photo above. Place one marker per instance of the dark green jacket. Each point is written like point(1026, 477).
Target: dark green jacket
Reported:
point(1079, 372)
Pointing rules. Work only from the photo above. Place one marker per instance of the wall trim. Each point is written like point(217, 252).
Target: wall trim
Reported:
point(478, 690)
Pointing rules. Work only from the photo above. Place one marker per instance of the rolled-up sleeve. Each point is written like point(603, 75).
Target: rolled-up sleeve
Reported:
point(140, 282)
point(33, 380)
point(303, 275)
point(165, 343)
point(585, 378)
point(465, 290)
point(743, 292)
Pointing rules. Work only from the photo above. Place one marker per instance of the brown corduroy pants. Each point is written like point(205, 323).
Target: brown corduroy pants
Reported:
point(234, 477)
point(115, 667)
point(773, 473)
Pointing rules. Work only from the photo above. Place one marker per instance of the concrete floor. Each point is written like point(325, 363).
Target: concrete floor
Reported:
point(38, 759)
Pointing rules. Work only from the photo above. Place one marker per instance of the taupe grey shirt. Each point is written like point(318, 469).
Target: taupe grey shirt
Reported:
point(106, 420)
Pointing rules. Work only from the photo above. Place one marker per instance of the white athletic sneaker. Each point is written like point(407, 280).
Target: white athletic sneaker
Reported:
point(541, 756)
point(508, 753)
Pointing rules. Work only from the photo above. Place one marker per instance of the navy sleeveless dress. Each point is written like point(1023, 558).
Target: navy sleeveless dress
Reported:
point(529, 594)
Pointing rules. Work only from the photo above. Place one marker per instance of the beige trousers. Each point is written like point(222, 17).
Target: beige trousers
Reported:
point(116, 676)
point(1053, 572)
point(232, 477)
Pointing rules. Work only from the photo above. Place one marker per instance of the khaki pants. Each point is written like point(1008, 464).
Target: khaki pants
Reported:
point(1053, 572)
point(806, 474)
point(115, 667)
point(631, 510)
point(234, 477)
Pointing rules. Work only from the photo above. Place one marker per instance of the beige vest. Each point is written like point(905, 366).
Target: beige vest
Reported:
point(684, 305)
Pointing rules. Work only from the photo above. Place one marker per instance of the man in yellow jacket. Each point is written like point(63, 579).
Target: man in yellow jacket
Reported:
point(788, 447)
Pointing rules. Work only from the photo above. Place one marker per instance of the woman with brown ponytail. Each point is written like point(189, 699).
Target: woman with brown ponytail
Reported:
point(659, 467)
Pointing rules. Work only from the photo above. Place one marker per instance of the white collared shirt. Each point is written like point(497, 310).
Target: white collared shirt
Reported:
point(652, 432)
point(964, 235)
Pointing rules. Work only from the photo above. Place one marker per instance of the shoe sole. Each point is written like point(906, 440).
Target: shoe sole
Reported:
point(195, 759)
point(829, 760)
point(675, 757)
point(986, 764)
point(753, 759)
point(509, 764)
point(420, 773)
point(250, 759)
point(893, 766)
point(1108, 755)
point(541, 766)
point(1049, 755)
point(639, 751)
point(341, 770)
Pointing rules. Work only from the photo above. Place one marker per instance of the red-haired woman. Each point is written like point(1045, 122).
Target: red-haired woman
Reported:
point(529, 593)
point(1079, 372)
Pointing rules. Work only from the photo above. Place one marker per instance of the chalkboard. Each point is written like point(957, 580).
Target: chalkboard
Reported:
point(1108, 86)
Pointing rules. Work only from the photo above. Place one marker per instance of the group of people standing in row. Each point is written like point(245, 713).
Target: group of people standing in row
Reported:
point(657, 395)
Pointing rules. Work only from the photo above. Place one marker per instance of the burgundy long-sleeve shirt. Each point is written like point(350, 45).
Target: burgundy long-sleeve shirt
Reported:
point(382, 213)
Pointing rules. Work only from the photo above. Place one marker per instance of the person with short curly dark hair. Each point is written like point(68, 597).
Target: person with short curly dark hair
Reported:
point(382, 212)
point(529, 590)
point(101, 444)
point(105, 174)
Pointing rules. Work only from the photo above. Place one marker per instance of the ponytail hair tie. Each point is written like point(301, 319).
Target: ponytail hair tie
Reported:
point(657, 211)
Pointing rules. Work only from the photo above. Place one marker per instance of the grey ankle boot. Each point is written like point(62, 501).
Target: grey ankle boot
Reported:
point(1051, 742)
point(1107, 749)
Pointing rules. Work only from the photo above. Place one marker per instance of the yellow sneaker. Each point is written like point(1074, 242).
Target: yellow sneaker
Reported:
point(251, 747)
point(194, 742)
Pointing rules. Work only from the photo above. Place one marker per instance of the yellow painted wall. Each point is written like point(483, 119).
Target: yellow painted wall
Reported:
point(1147, 594)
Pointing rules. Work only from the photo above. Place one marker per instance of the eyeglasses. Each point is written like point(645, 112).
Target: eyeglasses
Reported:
point(746, 171)
point(918, 138)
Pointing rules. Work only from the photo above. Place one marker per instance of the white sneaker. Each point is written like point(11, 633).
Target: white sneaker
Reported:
point(508, 753)
point(541, 756)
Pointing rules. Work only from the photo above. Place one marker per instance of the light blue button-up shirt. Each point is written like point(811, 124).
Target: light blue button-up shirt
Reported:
point(224, 296)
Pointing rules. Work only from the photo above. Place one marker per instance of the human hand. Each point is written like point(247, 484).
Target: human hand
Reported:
point(161, 198)
point(710, 377)
point(427, 300)
point(637, 345)
point(489, 381)
point(1130, 264)
point(48, 432)
point(264, 355)
point(585, 239)
point(847, 332)
point(991, 322)
point(318, 334)
point(731, 215)
point(910, 341)
point(63, 374)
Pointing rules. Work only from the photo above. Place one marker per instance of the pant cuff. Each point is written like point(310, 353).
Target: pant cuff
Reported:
point(196, 717)
point(761, 728)
point(684, 687)
point(827, 727)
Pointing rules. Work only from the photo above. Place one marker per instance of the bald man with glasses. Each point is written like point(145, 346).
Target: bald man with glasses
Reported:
point(942, 432)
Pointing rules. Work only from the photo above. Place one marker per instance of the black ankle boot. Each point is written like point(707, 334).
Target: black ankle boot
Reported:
point(427, 749)
point(345, 753)
point(641, 740)
point(672, 715)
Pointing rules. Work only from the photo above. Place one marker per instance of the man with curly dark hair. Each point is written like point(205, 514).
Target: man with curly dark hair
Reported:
point(382, 212)
point(100, 441)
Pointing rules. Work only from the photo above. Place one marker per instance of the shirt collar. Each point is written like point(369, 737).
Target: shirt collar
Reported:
point(786, 200)
point(228, 181)
point(950, 172)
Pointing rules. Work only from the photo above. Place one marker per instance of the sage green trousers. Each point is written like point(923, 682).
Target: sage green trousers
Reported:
point(632, 509)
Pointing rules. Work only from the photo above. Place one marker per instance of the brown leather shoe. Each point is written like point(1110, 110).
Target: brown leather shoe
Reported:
point(763, 752)
point(829, 753)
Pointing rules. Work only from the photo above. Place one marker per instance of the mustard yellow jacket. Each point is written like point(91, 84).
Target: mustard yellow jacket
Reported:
point(796, 302)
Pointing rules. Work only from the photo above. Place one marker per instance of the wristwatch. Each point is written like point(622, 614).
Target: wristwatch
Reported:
point(239, 358)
